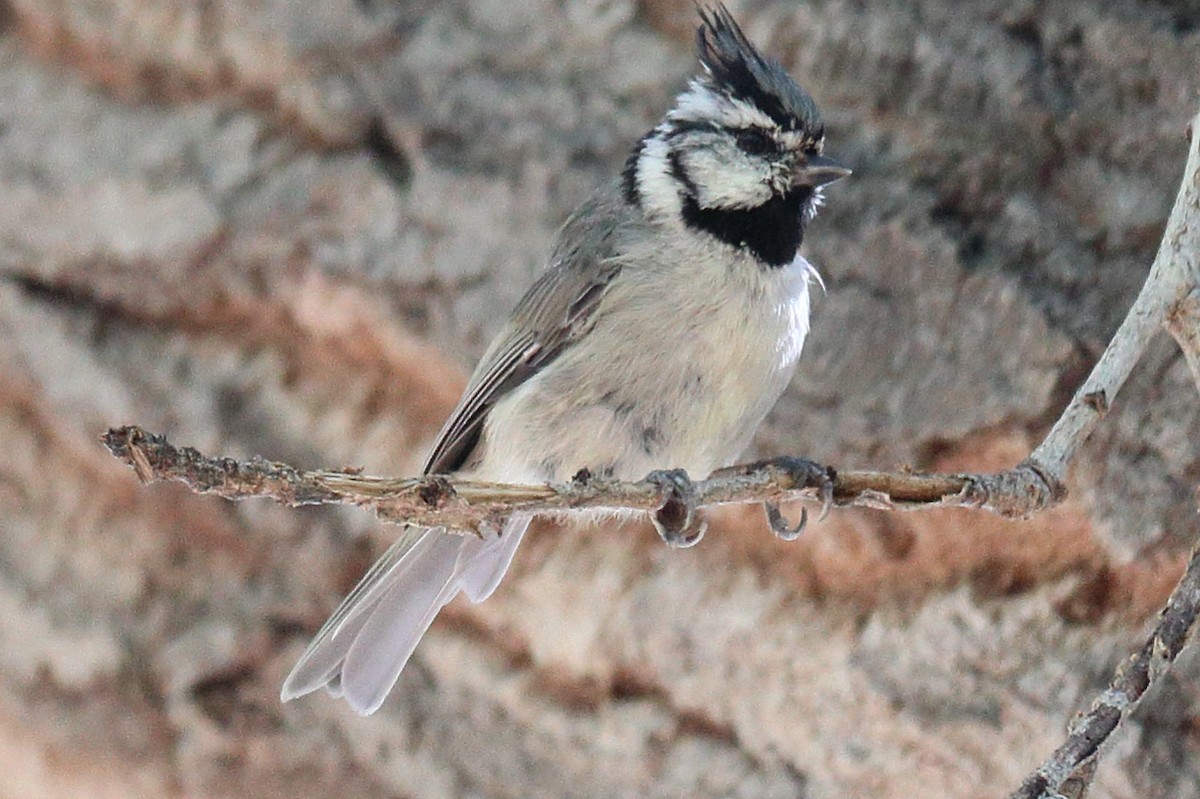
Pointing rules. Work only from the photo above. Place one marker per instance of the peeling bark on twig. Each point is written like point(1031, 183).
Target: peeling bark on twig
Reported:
point(466, 505)
point(1183, 323)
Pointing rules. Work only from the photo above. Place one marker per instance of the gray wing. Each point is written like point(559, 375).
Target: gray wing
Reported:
point(556, 311)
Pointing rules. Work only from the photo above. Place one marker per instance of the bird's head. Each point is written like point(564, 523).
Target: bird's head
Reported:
point(739, 157)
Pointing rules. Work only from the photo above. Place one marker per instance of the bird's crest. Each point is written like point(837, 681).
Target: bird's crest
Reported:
point(734, 68)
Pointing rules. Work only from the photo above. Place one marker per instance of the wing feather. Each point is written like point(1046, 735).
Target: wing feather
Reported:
point(461, 430)
point(557, 310)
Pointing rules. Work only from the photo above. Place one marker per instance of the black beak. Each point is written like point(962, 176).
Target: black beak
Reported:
point(818, 171)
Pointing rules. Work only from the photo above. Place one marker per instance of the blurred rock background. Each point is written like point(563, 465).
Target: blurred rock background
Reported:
point(288, 228)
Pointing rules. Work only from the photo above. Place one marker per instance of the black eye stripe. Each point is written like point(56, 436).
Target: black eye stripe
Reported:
point(753, 141)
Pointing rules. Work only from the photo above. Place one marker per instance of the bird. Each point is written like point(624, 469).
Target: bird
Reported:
point(667, 323)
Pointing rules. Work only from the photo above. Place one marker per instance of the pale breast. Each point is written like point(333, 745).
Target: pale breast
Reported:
point(683, 362)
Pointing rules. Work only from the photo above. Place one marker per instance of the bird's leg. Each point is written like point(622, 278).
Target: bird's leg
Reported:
point(676, 519)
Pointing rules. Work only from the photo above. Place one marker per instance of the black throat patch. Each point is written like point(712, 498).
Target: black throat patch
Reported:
point(772, 232)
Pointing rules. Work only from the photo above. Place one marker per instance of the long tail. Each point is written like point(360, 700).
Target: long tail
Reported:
point(360, 650)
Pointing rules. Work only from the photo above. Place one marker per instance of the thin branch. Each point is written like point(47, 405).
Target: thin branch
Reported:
point(1170, 298)
point(466, 505)
point(1132, 679)
point(1174, 274)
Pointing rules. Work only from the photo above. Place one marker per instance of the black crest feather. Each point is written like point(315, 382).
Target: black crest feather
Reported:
point(737, 69)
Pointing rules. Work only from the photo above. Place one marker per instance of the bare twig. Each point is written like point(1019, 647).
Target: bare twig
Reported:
point(1130, 683)
point(1171, 298)
point(465, 505)
point(1174, 274)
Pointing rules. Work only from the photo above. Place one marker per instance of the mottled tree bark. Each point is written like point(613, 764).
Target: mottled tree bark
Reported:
point(287, 229)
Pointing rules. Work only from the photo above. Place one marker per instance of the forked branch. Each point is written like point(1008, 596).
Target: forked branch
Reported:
point(1170, 298)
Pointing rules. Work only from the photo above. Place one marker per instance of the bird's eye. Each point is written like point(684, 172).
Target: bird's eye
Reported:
point(755, 142)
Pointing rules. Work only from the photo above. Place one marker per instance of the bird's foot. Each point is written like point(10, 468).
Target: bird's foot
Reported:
point(797, 473)
point(676, 519)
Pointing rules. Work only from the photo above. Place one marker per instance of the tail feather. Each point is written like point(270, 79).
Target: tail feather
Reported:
point(358, 654)
point(387, 640)
point(321, 662)
point(481, 573)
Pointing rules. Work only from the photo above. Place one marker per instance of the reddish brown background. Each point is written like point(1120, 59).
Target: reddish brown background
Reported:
point(288, 228)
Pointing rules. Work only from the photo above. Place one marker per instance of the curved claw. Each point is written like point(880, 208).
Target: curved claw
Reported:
point(779, 525)
point(688, 537)
point(808, 474)
point(676, 520)
point(826, 499)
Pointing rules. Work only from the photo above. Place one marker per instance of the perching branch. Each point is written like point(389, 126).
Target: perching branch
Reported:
point(1168, 295)
point(464, 505)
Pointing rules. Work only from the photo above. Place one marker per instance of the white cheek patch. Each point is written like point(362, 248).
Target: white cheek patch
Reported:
point(716, 170)
point(727, 180)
